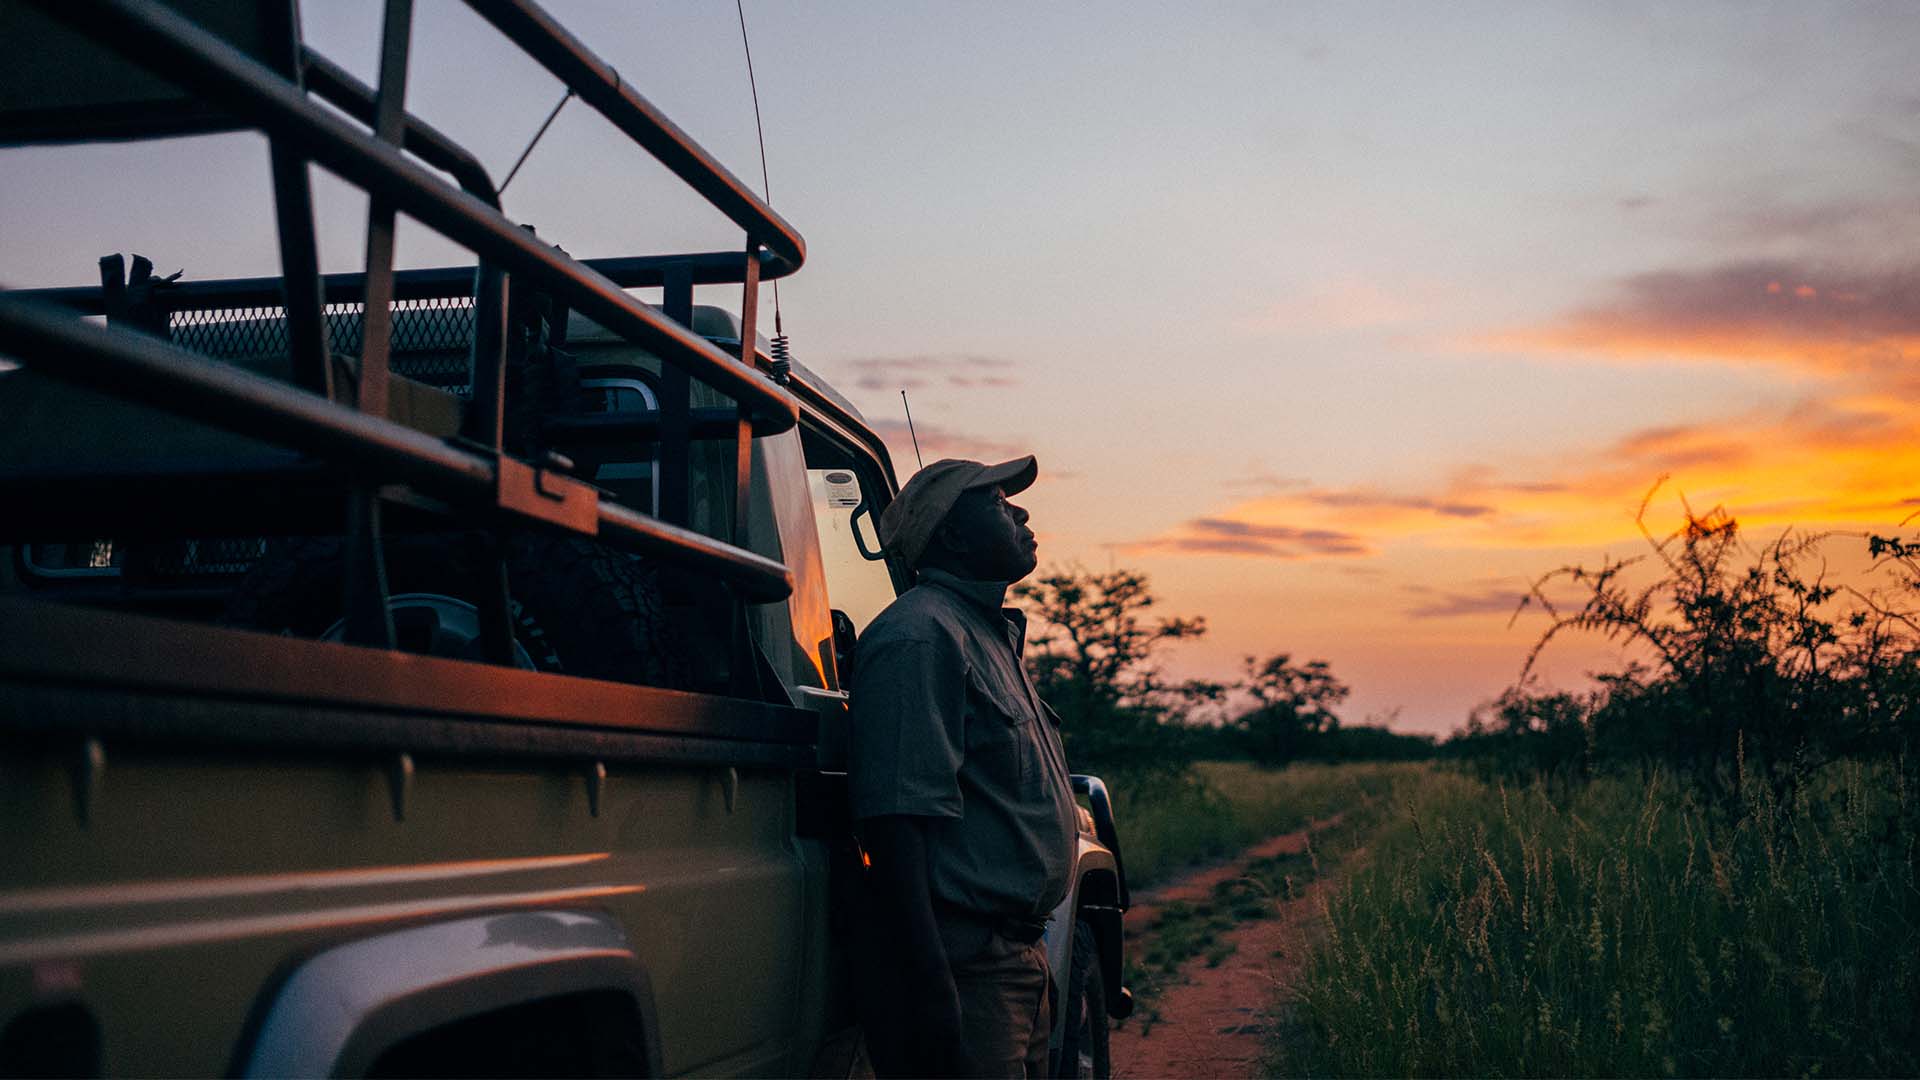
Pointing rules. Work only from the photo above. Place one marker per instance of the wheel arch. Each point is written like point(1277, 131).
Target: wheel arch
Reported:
point(338, 1010)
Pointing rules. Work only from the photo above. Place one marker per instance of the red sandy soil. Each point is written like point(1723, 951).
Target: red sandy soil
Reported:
point(1213, 1022)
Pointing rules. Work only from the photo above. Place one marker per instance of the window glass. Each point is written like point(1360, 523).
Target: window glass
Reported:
point(633, 474)
point(855, 584)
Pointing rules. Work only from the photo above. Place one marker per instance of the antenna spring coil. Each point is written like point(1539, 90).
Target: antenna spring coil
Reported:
point(782, 354)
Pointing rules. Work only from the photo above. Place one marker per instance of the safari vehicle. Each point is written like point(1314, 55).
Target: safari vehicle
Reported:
point(426, 671)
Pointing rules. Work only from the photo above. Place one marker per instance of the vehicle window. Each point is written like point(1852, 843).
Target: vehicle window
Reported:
point(634, 477)
point(856, 584)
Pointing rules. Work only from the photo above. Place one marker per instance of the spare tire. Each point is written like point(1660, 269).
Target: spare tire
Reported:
point(576, 607)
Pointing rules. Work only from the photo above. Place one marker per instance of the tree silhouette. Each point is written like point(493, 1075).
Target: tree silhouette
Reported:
point(1293, 706)
point(1091, 657)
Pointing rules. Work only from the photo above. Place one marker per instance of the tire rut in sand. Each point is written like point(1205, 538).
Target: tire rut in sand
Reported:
point(1211, 1018)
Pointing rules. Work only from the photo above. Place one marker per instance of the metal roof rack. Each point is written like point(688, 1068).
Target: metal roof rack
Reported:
point(255, 73)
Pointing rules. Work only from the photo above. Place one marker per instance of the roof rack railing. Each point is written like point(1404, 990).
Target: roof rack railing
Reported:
point(269, 89)
point(337, 85)
point(427, 283)
point(146, 368)
point(154, 35)
point(600, 86)
point(451, 282)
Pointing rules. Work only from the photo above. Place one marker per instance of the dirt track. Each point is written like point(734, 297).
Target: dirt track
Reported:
point(1213, 1022)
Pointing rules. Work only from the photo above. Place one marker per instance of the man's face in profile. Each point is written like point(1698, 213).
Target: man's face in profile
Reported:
point(990, 535)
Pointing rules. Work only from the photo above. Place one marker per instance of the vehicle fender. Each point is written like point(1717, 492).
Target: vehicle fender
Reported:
point(339, 1009)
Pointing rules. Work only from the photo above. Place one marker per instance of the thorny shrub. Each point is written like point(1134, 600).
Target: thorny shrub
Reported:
point(1744, 650)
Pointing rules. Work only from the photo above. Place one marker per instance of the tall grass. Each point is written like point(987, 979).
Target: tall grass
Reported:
point(1219, 810)
point(1168, 824)
point(1625, 928)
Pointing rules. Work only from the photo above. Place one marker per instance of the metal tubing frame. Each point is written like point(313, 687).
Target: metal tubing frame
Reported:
point(676, 400)
point(389, 116)
point(620, 428)
point(236, 685)
point(156, 37)
point(333, 83)
point(743, 432)
point(748, 671)
point(369, 616)
point(307, 347)
point(145, 369)
point(374, 449)
point(336, 85)
point(486, 417)
point(599, 85)
point(433, 283)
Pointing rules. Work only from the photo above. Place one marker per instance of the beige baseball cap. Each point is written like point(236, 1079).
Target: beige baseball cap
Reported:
point(909, 521)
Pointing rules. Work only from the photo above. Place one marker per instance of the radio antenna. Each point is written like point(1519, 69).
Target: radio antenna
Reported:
point(780, 347)
point(916, 438)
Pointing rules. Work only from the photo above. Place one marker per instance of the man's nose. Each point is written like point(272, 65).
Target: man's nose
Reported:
point(1019, 512)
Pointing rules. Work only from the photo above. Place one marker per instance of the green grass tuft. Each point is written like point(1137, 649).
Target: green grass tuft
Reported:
point(1227, 807)
point(1169, 825)
point(1626, 928)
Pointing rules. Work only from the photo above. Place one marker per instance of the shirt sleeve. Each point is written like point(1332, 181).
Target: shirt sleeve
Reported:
point(907, 730)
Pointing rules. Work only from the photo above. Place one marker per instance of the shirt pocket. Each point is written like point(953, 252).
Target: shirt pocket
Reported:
point(1000, 739)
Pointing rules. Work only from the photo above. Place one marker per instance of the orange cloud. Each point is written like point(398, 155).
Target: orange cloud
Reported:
point(1264, 480)
point(1310, 523)
point(1847, 461)
point(1771, 310)
point(1228, 536)
point(1501, 598)
point(1373, 500)
point(1666, 449)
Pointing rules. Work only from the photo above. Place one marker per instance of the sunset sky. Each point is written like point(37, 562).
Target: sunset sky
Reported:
point(1341, 321)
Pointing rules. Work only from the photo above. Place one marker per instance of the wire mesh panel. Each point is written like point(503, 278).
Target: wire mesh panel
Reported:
point(432, 338)
point(218, 557)
point(155, 562)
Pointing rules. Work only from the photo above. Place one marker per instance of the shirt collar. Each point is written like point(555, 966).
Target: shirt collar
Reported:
point(989, 596)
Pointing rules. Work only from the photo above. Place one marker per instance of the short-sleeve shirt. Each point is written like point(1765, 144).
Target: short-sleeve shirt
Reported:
point(946, 725)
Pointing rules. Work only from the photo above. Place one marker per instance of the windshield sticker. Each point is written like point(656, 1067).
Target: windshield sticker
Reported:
point(843, 490)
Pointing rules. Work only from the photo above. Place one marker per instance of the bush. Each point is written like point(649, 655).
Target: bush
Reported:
point(1091, 653)
point(1091, 657)
point(1751, 654)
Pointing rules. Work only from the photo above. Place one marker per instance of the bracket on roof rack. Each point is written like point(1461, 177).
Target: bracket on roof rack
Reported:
point(546, 495)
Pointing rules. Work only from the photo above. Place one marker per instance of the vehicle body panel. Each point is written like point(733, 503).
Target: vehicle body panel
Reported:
point(201, 870)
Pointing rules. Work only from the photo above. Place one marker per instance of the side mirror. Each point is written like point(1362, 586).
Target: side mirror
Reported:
point(844, 640)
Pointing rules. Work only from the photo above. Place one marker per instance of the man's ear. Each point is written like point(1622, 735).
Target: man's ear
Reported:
point(949, 539)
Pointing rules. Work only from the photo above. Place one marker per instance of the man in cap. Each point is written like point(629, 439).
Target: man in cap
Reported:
point(960, 788)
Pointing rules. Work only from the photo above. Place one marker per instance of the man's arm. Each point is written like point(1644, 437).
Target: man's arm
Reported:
point(928, 1025)
point(905, 748)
